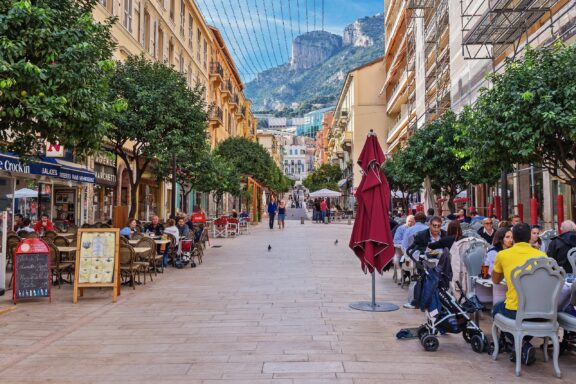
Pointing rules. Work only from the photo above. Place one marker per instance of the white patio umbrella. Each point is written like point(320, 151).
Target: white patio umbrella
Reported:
point(325, 193)
point(24, 193)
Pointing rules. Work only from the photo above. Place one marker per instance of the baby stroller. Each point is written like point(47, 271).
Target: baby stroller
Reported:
point(445, 313)
point(184, 254)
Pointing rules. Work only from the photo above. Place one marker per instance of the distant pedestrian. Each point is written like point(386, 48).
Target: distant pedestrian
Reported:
point(281, 214)
point(272, 208)
point(318, 215)
point(323, 209)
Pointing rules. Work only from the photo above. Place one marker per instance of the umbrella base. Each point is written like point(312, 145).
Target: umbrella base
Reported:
point(374, 307)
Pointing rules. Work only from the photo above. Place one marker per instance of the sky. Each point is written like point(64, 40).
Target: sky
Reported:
point(259, 33)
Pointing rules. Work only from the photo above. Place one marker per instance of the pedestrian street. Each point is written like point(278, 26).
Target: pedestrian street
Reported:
point(245, 315)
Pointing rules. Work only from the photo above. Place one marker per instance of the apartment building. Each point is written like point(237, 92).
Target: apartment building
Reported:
point(437, 55)
point(175, 33)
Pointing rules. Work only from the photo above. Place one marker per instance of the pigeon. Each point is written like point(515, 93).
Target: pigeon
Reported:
point(336, 242)
point(269, 247)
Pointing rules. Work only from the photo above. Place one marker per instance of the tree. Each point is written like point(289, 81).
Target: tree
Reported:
point(162, 117)
point(400, 177)
point(251, 158)
point(223, 178)
point(529, 114)
point(433, 151)
point(55, 62)
point(325, 176)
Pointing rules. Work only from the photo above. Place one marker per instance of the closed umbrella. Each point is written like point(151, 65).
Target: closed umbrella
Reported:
point(371, 238)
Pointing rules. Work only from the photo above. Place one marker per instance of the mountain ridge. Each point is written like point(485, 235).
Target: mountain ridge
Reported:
point(316, 71)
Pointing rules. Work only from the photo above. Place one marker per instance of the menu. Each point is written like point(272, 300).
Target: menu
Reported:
point(97, 255)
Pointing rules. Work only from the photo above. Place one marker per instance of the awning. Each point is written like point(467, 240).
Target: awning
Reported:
point(44, 166)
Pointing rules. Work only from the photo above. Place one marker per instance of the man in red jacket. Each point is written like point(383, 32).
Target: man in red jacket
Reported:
point(45, 224)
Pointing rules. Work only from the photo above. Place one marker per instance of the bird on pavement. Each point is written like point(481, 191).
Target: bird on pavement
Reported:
point(269, 247)
point(336, 242)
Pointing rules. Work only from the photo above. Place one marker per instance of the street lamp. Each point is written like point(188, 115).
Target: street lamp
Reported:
point(173, 198)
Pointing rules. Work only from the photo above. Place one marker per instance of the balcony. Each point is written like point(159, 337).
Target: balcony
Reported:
point(216, 73)
point(234, 101)
point(240, 113)
point(395, 98)
point(226, 90)
point(400, 124)
point(391, 34)
point(347, 140)
point(216, 116)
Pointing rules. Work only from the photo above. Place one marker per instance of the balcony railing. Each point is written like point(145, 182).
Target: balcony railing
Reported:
point(216, 69)
point(401, 120)
point(397, 90)
point(216, 115)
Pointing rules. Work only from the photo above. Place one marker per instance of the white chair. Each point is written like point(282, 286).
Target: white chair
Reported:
point(572, 259)
point(566, 320)
point(473, 259)
point(546, 238)
point(538, 285)
point(220, 228)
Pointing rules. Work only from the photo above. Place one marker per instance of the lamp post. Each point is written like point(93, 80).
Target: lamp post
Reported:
point(173, 197)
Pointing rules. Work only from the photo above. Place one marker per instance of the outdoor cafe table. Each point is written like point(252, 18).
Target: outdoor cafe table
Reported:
point(66, 250)
point(141, 250)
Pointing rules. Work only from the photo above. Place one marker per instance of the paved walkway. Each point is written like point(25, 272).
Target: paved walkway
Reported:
point(245, 315)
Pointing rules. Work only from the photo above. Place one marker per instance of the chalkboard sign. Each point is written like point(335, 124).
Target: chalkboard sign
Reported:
point(32, 274)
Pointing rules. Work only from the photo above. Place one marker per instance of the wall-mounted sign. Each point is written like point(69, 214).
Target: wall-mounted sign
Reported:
point(54, 150)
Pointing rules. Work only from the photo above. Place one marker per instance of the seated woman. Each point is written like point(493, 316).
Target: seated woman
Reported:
point(129, 229)
point(502, 240)
point(535, 240)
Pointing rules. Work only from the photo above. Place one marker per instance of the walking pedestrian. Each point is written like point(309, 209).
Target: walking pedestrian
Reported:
point(272, 207)
point(281, 214)
point(323, 209)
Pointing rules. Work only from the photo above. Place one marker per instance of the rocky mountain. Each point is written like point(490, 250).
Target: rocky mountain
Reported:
point(320, 61)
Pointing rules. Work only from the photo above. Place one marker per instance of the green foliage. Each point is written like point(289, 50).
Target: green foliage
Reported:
point(162, 117)
point(529, 114)
point(325, 176)
point(433, 151)
point(55, 61)
point(251, 159)
point(401, 177)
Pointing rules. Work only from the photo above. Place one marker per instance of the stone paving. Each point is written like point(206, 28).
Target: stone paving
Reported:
point(245, 315)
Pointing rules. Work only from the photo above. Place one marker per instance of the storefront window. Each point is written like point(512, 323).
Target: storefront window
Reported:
point(148, 205)
point(6, 198)
point(103, 203)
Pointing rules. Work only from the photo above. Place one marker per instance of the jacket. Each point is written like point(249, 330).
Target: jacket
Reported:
point(422, 239)
point(559, 247)
point(485, 236)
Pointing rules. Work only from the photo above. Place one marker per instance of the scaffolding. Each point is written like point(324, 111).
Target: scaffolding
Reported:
point(437, 58)
point(490, 27)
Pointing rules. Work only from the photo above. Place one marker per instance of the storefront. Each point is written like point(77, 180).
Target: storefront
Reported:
point(149, 199)
point(45, 186)
point(104, 189)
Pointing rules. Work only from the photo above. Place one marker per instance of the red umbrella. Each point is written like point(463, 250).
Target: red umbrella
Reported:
point(371, 238)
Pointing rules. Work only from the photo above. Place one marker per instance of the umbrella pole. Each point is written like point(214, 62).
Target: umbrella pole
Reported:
point(373, 306)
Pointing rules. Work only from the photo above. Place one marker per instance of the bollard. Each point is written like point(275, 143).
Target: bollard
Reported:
point(302, 220)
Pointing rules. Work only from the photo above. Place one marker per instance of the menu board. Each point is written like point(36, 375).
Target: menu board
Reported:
point(97, 260)
point(32, 275)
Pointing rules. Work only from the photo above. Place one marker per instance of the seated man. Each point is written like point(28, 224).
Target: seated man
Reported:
point(505, 262)
point(154, 228)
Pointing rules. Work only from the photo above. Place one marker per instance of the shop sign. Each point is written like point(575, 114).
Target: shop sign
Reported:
point(54, 150)
point(9, 164)
point(105, 175)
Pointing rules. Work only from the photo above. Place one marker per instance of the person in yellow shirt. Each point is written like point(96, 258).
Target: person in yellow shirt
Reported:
point(505, 262)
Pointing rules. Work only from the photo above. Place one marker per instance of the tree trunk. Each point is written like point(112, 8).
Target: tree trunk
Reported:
point(451, 204)
point(133, 194)
point(186, 201)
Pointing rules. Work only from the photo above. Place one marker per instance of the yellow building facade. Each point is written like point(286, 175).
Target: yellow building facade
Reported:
point(173, 32)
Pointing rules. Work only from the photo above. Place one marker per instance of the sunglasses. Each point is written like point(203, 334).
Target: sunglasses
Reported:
point(436, 225)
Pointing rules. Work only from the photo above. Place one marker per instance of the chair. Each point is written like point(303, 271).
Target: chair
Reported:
point(105, 225)
point(127, 266)
point(61, 241)
point(566, 320)
point(219, 226)
point(72, 228)
point(153, 257)
point(233, 227)
point(58, 266)
point(137, 236)
point(243, 225)
point(50, 234)
point(22, 233)
point(473, 259)
point(538, 284)
point(572, 259)
point(124, 240)
point(172, 250)
point(546, 238)
point(32, 235)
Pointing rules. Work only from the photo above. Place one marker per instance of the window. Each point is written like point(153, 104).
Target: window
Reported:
point(205, 55)
point(170, 53)
point(172, 6)
point(182, 17)
point(191, 32)
point(107, 4)
point(160, 53)
point(290, 152)
point(154, 39)
point(189, 73)
point(181, 60)
point(199, 42)
point(128, 15)
point(147, 31)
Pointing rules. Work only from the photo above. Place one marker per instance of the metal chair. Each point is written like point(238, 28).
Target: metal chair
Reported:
point(538, 284)
point(219, 227)
point(473, 259)
point(568, 321)
point(572, 259)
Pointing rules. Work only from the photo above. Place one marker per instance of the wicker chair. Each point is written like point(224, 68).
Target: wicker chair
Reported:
point(22, 233)
point(50, 234)
point(154, 258)
point(59, 267)
point(172, 245)
point(127, 266)
point(32, 235)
